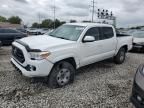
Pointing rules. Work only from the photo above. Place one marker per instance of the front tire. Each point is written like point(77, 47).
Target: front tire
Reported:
point(62, 74)
point(120, 57)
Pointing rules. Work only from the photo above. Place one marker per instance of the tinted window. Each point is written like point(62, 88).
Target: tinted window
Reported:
point(93, 32)
point(107, 32)
point(2, 31)
point(10, 31)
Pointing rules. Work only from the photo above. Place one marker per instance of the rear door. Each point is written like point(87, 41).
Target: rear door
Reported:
point(108, 41)
point(102, 48)
point(5, 37)
point(2, 34)
point(9, 35)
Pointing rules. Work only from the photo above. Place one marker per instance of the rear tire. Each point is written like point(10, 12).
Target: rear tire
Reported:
point(120, 57)
point(62, 74)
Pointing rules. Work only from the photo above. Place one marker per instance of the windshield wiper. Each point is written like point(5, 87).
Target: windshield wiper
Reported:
point(58, 37)
point(51, 35)
point(63, 38)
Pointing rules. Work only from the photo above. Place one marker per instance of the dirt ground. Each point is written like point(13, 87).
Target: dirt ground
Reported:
point(100, 85)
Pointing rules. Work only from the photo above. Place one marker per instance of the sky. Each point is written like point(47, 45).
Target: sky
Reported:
point(128, 12)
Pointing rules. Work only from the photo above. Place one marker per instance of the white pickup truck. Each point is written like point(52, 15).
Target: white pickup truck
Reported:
point(58, 54)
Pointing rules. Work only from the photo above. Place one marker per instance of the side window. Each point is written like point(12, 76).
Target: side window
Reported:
point(93, 32)
point(10, 31)
point(107, 32)
point(2, 31)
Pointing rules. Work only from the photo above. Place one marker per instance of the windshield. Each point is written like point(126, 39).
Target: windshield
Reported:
point(139, 35)
point(68, 32)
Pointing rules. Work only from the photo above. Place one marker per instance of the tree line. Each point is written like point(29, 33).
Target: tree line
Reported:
point(12, 19)
point(46, 23)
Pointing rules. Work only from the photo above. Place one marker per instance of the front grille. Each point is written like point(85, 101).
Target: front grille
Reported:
point(18, 54)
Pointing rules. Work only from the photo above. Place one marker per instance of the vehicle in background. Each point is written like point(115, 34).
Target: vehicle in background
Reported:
point(0, 43)
point(36, 31)
point(33, 31)
point(130, 32)
point(22, 30)
point(138, 40)
point(7, 36)
point(67, 48)
point(137, 97)
point(44, 30)
point(48, 32)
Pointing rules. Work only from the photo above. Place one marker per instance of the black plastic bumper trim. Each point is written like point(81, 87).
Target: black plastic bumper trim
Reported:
point(25, 67)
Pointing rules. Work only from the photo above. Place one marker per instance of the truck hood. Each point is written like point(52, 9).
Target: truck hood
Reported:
point(138, 40)
point(44, 42)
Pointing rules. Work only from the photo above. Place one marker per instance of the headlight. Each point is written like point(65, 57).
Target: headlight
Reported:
point(39, 55)
point(141, 69)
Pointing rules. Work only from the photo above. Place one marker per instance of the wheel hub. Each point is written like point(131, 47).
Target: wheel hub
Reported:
point(63, 76)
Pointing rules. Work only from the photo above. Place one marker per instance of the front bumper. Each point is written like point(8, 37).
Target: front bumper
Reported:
point(0, 43)
point(42, 68)
point(137, 97)
point(138, 46)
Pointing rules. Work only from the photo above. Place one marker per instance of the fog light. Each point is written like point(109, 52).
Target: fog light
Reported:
point(31, 68)
point(139, 98)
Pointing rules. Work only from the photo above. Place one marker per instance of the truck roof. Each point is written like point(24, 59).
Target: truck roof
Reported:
point(89, 24)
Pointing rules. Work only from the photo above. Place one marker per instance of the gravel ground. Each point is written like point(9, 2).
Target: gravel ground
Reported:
point(100, 85)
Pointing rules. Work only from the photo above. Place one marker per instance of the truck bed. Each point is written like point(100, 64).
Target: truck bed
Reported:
point(122, 35)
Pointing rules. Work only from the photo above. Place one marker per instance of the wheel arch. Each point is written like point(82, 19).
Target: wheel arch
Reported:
point(69, 59)
point(123, 46)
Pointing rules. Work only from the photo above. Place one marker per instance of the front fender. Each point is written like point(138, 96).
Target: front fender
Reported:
point(65, 56)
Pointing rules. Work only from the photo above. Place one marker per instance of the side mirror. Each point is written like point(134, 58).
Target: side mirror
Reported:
point(89, 39)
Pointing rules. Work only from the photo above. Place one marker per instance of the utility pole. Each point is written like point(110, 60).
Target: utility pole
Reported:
point(93, 8)
point(54, 13)
point(115, 22)
point(39, 19)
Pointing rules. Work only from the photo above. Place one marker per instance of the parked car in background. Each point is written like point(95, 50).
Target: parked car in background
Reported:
point(69, 47)
point(137, 97)
point(138, 40)
point(22, 30)
point(44, 30)
point(37, 31)
point(7, 36)
point(0, 43)
point(34, 31)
